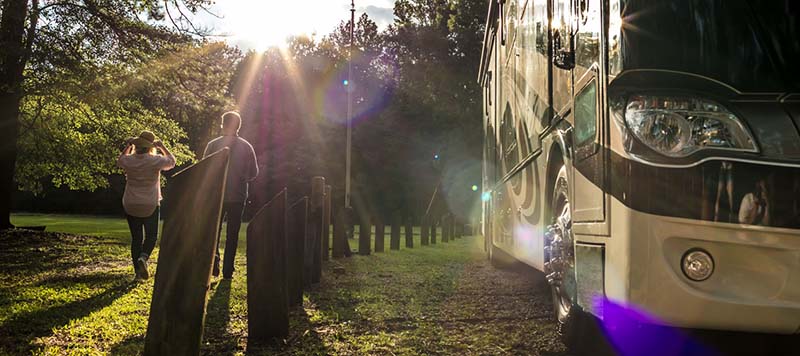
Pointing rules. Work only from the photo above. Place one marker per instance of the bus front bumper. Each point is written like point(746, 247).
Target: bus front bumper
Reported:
point(755, 284)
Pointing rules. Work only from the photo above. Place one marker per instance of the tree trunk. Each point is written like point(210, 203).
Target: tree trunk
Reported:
point(12, 61)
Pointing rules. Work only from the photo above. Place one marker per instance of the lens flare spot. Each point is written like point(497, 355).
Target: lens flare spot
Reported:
point(474, 188)
point(633, 331)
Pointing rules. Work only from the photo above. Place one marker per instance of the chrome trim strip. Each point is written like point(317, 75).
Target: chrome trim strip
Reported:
point(519, 166)
point(713, 158)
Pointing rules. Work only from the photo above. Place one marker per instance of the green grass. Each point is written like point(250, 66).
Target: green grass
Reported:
point(69, 294)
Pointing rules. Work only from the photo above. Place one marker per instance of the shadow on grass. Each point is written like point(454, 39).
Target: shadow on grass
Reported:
point(217, 340)
point(27, 252)
point(22, 329)
point(133, 345)
point(303, 338)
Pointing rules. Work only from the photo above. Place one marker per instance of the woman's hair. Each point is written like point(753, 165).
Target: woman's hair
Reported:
point(145, 150)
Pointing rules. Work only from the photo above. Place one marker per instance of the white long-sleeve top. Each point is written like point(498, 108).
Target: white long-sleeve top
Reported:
point(143, 182)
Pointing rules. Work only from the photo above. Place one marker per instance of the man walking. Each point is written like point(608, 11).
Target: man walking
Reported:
point(242, 168)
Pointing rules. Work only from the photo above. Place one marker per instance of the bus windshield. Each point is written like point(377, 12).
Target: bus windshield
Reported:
point(752, 46)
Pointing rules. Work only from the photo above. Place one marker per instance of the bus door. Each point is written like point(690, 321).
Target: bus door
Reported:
point(588, 117)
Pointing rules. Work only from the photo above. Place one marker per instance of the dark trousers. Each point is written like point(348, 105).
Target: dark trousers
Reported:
point(144, 233)
point(232, 213)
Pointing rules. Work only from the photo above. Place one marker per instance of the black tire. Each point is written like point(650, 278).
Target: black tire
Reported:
point(572, 320)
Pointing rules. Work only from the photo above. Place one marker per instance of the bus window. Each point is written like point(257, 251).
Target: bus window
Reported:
point(614, 34)
point(562, 33)
point(586, 114)
point(535, 56)
point(587, 46)
point(511, 26)
point(541, 35)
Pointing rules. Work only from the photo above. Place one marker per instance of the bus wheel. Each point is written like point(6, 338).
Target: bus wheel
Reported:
point(559, 267)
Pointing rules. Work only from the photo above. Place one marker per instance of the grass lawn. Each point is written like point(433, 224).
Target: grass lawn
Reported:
point(74, 294)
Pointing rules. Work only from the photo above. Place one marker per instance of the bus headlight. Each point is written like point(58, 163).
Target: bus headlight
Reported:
point(678, 127)
point(697, 265)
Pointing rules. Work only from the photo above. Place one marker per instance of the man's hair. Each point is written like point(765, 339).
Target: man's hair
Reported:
point(230, 120)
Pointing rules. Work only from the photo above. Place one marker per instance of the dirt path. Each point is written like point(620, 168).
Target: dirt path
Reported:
point(508, 310)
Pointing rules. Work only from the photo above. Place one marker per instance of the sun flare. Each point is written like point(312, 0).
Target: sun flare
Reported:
point(260, 24)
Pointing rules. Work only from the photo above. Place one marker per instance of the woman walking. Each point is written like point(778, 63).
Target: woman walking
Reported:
point(143, 165)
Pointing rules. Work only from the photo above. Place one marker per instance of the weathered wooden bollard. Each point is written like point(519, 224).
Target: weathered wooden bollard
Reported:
point(446, 225)
point(340, 243)
point(188, 244)
point(316, 219)
point(267, 297)
point(297, 218)
point(409, 234)
point(380, 234)
point(433, 230)
point(326, 224)
point(450, 232)
point(423, 231)
point(394, 242)
point(364, 236)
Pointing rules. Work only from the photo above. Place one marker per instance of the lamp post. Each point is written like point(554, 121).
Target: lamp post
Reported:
point(349, 89)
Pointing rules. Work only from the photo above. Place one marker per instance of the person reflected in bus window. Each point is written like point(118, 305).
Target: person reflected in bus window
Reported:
point(725, 185)
point(754, 209)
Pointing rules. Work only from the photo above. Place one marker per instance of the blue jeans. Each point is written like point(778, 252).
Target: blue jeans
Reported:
point(144, 234)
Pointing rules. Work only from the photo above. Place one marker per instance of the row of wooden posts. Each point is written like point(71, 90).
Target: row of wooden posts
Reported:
point(286, 244)
point(451, 229)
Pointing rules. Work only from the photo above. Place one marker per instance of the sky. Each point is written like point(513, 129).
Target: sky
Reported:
point(259, 24)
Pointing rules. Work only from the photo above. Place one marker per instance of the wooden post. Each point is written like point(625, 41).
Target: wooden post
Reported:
point(188, 244)
point(423, 231)
point(326, 224)
point(316, 221)
point(380, 234)
point(341, 247)
point(364, 234)
point(297, 223)
point(446, 225)
point(409, 234)
point(433, 230)
point(394, 242)
point(267, 289)
point(451, 236)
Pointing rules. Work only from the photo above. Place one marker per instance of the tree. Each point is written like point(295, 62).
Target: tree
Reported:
point(72, 138)
point(438, 46)
point(191, 87)
point(77, 37)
